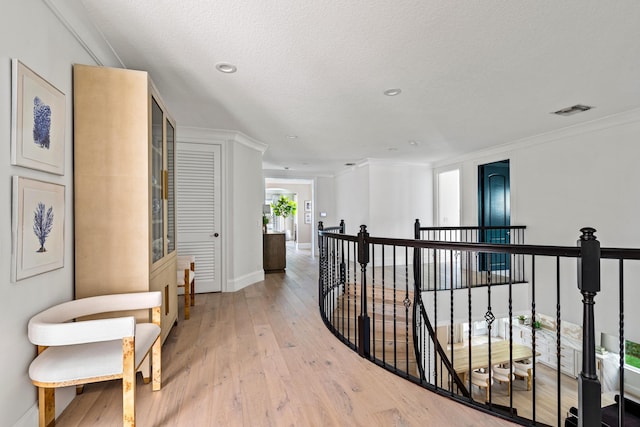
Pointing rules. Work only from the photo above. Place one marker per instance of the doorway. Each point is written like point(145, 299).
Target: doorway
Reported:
point(494, 210)
point(449, 198)
point(299, 229)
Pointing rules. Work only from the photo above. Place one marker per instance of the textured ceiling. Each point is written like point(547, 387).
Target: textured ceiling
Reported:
point(473, 74)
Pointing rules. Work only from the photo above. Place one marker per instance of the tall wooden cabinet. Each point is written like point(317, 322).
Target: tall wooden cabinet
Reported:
point(124, 187)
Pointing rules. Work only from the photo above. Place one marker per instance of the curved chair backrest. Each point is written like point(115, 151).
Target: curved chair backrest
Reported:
point(503, 374)
point(52, 327)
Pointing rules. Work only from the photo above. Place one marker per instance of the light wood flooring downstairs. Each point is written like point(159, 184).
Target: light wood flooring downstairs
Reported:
point(263, 357)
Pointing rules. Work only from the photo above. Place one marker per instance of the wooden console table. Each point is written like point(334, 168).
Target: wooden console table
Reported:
point(274, 252)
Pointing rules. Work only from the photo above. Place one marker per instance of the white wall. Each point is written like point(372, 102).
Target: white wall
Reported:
point(33, 34)
point(244, 210)
point(399, 193)
point(325, 201)
point(560, 182)
point(352, 198)
point(385, 196)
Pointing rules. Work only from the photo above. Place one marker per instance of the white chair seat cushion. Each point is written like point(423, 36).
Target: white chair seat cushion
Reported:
point(180, 276)
point(72, 363)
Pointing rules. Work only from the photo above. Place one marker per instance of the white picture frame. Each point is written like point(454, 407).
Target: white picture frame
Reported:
point(307, 218)
point(37, 226)
point(38, 119)
point(307, 205)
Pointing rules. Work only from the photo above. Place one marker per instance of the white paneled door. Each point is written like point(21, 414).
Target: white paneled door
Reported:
point(198, 206)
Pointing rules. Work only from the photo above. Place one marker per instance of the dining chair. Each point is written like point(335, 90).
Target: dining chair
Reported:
point(523, 370)
point(480, 377)
point(504, 373)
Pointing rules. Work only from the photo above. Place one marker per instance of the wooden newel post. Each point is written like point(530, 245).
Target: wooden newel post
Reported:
point(343, 266)
point(589, 412)
point(321, 264)
point(363, 319)
point(417, 258)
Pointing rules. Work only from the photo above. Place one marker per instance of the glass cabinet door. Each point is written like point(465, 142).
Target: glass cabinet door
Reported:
point(171, 204)
point(157, 182)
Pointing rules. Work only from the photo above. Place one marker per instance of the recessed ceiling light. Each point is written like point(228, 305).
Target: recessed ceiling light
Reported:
point(413, 143)
point(392, 92)
point(392, 149)
point(575, 109)
point(224, 67)
point(292, 136)
point(286, 168)
point(349, 164)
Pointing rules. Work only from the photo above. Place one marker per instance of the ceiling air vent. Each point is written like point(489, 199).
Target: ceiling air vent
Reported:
point(570, 111)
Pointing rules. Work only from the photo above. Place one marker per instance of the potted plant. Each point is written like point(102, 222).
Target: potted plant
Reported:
point(265, 221)
point(284, 207)
point(522, 318)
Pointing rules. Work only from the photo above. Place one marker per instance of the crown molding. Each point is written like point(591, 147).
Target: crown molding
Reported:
point(73, 15)
point(614, 120)
point(205, 135)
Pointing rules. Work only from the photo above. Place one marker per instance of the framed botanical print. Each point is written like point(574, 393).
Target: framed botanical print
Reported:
point(38, 120)
point(37, 227)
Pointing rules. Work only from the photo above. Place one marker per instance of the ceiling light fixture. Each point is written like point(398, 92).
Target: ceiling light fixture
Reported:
point(292, 136)
point(226, 68)
point(413, 143)
point(349, 164)
point(392, 92)
point(575, 109)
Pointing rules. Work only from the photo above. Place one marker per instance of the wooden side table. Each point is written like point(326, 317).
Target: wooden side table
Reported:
point(274, 252)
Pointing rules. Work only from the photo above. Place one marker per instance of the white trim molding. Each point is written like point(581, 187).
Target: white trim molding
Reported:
point(241, 282)
point(204, 135)
point(73, 15)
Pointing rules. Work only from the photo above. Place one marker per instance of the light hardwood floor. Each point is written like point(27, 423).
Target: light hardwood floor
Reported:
point(263, 357)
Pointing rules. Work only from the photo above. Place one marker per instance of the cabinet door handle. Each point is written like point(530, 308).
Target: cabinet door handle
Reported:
point(165, 184)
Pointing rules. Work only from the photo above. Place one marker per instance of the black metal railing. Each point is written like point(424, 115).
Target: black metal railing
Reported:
point(460, 270)
point(373, 297)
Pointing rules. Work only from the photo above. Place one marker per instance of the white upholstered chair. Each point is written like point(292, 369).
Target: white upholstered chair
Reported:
point(72, 351)
point(524, 370)
point(480, 377)
point(186, 278)
point(504, 373)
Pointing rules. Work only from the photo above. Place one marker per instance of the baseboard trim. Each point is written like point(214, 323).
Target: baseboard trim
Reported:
point(241, 282)
point(304, 245)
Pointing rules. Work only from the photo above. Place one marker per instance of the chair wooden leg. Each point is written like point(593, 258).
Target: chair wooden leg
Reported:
point(128, 382)
point(46, 406)
point(156, 364)
point(156, 352)
point(193, 292)
point(529, 379)
point(487, 390)
point(187, 301)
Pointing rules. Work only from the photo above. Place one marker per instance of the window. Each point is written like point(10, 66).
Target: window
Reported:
point(632, 354)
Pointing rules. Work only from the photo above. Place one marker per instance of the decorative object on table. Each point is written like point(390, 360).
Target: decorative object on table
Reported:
point(536, 324)
point(37, 227)
point(37, 121)
point(307, 218)
point(522, 318)
point(307, 205)
point(265, 221)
